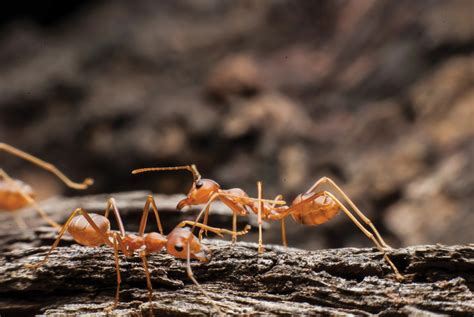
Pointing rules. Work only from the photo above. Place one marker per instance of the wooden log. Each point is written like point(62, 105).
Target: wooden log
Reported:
point(78, 280)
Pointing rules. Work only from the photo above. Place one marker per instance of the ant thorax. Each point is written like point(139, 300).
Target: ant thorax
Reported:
point(151, 242)
point(154, 242)
point(133, 243)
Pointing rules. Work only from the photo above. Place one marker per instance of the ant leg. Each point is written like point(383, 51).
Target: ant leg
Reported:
point(327, 180)
point(30, 200)
point(117, 269)
point(205, 209)
point(276, 201)
point(150, 202)
point(218, 231)
point(219, 195)
point(88, 218)
point(283, 233)
point(234, 227)
point(236, 209)
point(205, 221)
point(260, 207)
point(46, 166)
point(283, 225)
point(148, 279)
point(190, 273)
point(229, 203)
point(112, 205)
point(367, 233)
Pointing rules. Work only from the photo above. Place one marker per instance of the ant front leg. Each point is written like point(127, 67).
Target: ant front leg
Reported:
point(207, 207)
point(232, 205)
point(218, 231)
point(30, 201)
point(235, 207)
point(205, 221)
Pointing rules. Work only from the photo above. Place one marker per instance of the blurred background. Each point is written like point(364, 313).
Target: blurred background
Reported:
point(378, 95)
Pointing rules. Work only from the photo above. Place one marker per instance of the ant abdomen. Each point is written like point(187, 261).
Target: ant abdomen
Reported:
point(316, 211)
point(11, 199)
point(83, 232)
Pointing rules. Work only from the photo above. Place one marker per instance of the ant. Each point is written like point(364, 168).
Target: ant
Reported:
point(15, 194)
point(205, 191)
point(93, 230)
point(312, 208)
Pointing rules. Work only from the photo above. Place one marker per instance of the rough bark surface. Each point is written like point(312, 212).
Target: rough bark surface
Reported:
point(79, 280)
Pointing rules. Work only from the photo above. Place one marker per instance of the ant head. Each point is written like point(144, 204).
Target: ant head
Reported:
point(154, 242)
point(133, 242)
point(200, 193)
point(180, 239)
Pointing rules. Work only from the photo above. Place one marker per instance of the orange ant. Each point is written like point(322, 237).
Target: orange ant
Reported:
point(93, 230)
point(311, 208)
point(205, 191)
point(15, 194)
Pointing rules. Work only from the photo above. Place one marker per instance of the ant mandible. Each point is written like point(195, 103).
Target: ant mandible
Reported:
point(15, 194)
point(312, 208)
point(93, 230)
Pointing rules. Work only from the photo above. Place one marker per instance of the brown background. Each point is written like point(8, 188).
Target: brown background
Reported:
point(378, 95)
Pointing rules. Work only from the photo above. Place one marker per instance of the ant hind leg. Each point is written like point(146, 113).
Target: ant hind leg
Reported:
point(367, 221)
point(367, 233)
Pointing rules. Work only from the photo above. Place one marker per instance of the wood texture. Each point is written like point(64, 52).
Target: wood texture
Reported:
point(440, 279)
point(351, 281)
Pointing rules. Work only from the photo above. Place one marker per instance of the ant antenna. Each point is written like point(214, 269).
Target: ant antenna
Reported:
point(192, 168)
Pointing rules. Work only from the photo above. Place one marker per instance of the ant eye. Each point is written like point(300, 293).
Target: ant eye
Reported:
point(178, 247)
point(199, 184)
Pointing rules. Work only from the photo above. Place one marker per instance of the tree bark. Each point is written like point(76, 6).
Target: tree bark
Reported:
point(78, 280)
